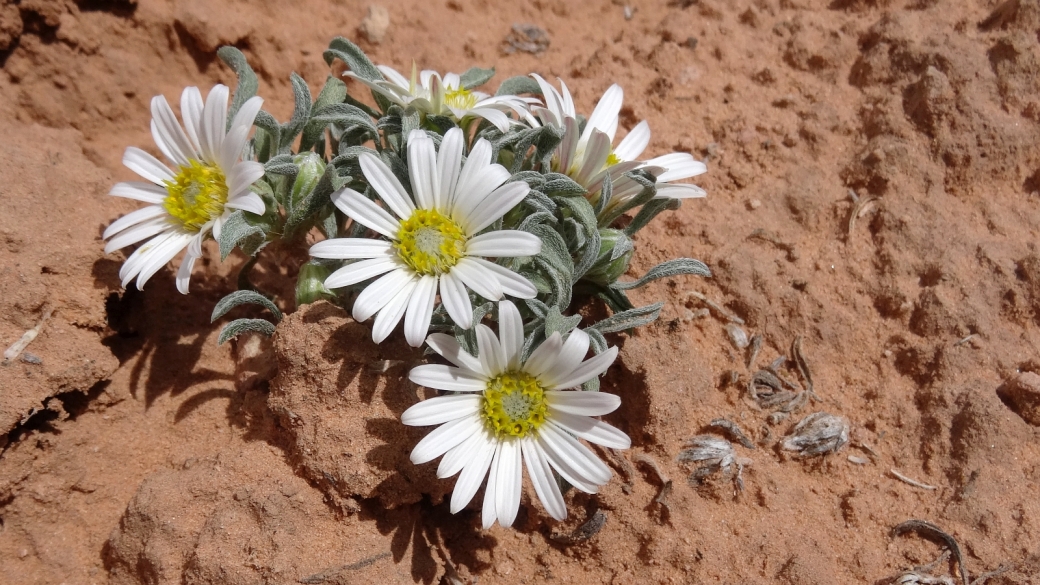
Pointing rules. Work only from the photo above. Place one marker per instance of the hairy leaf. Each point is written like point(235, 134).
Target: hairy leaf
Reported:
point(240, 326)
point(243, 297)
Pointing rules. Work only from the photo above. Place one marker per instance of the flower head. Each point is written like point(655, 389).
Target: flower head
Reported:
point(434, 242)
point(193, 195)
point(507, 411)
point(429, 93)
point(588, 157)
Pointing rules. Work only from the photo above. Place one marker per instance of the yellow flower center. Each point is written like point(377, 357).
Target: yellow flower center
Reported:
point(462, 99)
point(514, 405)
point(429, 242)
point(612, 159)
point(196, 195)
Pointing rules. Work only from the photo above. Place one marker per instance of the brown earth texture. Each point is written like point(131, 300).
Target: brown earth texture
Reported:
point(872, 215)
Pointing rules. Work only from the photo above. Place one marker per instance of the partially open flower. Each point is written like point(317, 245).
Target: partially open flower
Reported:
point(507, 411)
point(189, 203)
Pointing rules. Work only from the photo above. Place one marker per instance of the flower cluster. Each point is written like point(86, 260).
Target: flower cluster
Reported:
point(443, 207)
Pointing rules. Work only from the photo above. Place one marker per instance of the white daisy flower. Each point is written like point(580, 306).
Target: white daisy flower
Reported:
point(436, 245)
point(428, 92)
point(189, 203)
point(587, 156)
point(507, 411)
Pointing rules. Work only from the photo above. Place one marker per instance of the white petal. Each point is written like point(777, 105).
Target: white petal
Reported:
point(472, 475)
point(680, 191)
point(478, 279)
point(582, 403)
point(509, 483)
point(214, 123)
point(445, 437)
point(634, 142)
point(588, 370)
point(582, 458)
point(191, 112)
point(137, 233)
point(390, 190)
point(562, 458)
point(420, 310)
point(497, 118)
point(477, 190)
point(570, 356)
point(492, 359)
point(378, 294)
point(392, 75)
point(252, 203)
point(235, 141)
point(504, 244)
point(568, 145)
point(478, 160)
point(460, 456)
point(511, 283)
point(511, 334)
point(364, 211)
point(592, 430)
point(552, 100)
point(168, 134)
point(133, 218)
point(360, 271)
point(146, 165)
point(242, 176)
point(450, 349)
point(391, 314)
point(568, 102)
point(456, 300)
point(489, 511)
point(475, 213)
point(146, 192)
point(160, 256)
point(449, 378)
point(441, 409)
point(680, 165)
point(595, 159)
point(544, 356)
point(541, 476)
point(350, 248)
point(184, 272)
point(133, 265)
point(449, 165)
point(422, 170)
point(605, 116)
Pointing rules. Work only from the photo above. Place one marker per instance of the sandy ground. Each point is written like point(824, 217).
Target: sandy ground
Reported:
point(873, 190)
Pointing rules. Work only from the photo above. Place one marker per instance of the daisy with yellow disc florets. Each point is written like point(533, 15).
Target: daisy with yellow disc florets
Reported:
point(431, 94)
point(434, 244)
point(511, 413)
point(192, 196)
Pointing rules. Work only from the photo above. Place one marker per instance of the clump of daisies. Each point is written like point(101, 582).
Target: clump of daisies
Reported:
point(436, 207)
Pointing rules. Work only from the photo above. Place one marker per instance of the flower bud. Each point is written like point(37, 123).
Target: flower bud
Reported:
point(610, 265)
point(312, 167)
point(310, 284)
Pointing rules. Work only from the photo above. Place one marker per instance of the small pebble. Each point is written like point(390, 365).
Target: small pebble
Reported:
point(754, 204)
point(375, 24)
point(31, 358)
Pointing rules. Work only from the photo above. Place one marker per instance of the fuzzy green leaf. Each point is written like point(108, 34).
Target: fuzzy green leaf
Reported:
point(518, 85)
point(629, 319)
point(240, 326)
point(649, 212)
point(475, 77)
point(238, 231)
point(664, 270)
point(247, 81)
point(243, 297)
point(346, 51)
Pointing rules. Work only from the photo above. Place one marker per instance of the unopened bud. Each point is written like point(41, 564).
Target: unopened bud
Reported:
point(310, 284)
point(615, 252)
point(312, 167)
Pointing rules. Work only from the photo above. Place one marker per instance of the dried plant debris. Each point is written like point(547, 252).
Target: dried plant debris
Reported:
point(910, 481)
point(526, 38)
point(590, 528)
point(770, 391)
point(665, 482)
point(713, 454)
point(924, 575)
point(717, 308)
point(819, 433)
point(737, 336)
point(731, 430)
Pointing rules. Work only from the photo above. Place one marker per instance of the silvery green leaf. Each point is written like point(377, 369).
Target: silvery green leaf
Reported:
point(537, 307)
point(362, 106)
point(334, 92)
point(345, 116)
point(665, 270)
point(554, 249)
point(468, 337)
point(237, 231)
point(629, 319)
point(475, 77)
point(301, 112)
point(247, 81)
point(410, 120)
point(240, 326)
point(589, 254)
point(278, 166)
point(622, 245)
point(540, 202)
point(573, 233)
point(562, 185)
point(605, 193)
point(616, 299)
point(596, 340)
point(346, 51)
point(648, 193)
point(591, 385)
point(243, 297)
point(330, 225)
point(521, 144)
point(548, 139)
point(534, 179)
point(536, 218)
point(531, 341)
point(559, 282)
point(518, 85)
point(649, 212)
point(556, 322)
